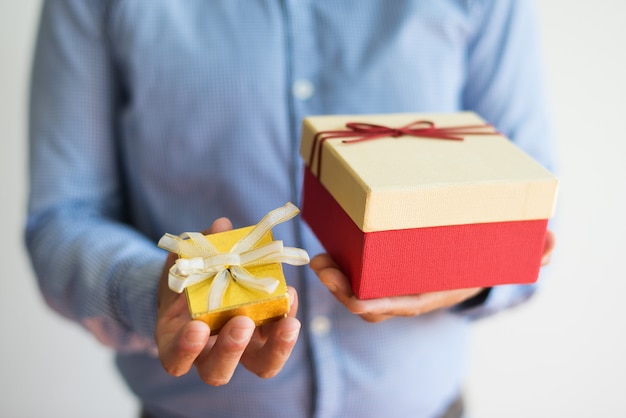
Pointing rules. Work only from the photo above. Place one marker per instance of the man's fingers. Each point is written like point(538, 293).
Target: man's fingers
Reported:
point(380, 309)
point(266, 356)
point(178, 350)
point(217, 364)
point(272, 344)
point(183, 343)
point(219, 225)
point(321, 262)
point(337, 283)
point(548, 248)
point(340, 287)
point(293, 302)
point(179, 340)
point(331, 276)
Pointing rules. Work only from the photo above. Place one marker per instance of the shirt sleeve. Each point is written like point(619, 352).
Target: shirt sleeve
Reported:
point(505, 85)
point(91, 266)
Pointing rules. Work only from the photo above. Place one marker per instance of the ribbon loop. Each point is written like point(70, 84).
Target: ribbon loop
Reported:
point(202, 260)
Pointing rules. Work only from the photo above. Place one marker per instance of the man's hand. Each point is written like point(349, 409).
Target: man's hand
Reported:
point(380, 309)
point(183, 343)
point(376, 310)
point(548, 248)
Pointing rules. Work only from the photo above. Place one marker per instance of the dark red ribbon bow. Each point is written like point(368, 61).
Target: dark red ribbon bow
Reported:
point(359, 131)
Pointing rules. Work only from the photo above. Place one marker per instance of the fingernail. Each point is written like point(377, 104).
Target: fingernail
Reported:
point(289, 336)
point(239, 335)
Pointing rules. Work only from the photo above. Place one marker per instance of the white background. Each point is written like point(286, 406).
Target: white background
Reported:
point(561, 355)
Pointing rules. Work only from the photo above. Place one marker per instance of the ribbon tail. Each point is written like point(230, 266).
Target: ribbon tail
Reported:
point(259, 255)
point(270, 220)
point(294, 256)
point(189, 244)
point(290, 255)
point(218, 289)
point(247, 280)
point(199, 243)
point(170, 243)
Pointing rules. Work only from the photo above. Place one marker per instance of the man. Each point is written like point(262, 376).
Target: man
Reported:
point(167, 116)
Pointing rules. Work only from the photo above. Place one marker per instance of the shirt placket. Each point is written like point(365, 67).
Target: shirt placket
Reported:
point(304, 64)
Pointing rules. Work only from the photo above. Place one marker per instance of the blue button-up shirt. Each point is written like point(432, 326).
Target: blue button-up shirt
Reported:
point(160, 116)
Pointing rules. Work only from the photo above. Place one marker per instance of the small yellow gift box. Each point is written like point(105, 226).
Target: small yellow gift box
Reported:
point(236, 272)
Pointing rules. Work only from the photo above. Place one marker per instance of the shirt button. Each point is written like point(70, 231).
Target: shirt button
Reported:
point(303, 89)
point(320, 325)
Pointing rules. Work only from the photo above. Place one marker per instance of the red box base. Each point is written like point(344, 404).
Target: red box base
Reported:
point(419, 260)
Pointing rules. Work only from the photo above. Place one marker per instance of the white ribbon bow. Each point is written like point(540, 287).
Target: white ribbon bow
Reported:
point(205, 261)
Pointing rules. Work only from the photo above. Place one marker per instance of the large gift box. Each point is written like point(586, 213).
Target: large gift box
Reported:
point(413, 203)
point(237, 272)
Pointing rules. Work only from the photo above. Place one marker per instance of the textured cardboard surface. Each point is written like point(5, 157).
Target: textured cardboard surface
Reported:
point(417, 260)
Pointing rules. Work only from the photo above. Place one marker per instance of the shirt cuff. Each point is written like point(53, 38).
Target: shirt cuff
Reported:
point(138, 297)
point(495, 299)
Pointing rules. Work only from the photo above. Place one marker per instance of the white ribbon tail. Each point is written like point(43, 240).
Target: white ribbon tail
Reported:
point(169, 242)
point(262, 253)
point(218, 289)
point(191, 244)
point(270, 220)
point(245, 279)
point(200, 241)
point(295, 256)
point(289, 255)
